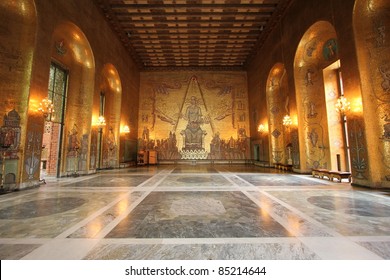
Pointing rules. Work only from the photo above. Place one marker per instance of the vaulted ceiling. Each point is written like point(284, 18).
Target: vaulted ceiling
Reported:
point(211, 34)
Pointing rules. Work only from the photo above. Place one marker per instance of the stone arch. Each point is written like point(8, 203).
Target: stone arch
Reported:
point(72, 51)
point(316, 50)
point(278, 107)
point(111, 88)
point(18, 27)
point(371, 23)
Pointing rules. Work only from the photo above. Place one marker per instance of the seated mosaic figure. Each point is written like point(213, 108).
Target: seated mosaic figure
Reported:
point(193, 134)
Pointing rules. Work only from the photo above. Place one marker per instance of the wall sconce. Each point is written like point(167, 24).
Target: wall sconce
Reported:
point(261, 128)
point(287, 121)
point(46, 107)
point(101, 121)
point(125, 129)
point(342, 105)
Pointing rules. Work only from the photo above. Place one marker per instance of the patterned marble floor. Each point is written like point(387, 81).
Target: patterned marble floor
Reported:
point(195, 212)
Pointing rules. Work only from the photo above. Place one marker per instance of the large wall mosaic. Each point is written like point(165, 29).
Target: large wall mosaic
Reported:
point(372, 25)
point(194, 115)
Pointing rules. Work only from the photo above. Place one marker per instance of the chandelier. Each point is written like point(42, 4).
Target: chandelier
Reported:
point(342, 105)
point(287, 121)
point(125, 129)
point(261, 128)
point(101, 121)
point(46, 107)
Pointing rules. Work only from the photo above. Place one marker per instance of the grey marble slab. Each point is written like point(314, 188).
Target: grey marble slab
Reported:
point(112, 181)
point(43, 219)
point(267, 251)
point(195, 180)
point(298, 224)
point(380, 248)
point(285, 180)
point(195, 169)
point(341, 211)
point(197, 215)
point(91, 229)
point(16, 251)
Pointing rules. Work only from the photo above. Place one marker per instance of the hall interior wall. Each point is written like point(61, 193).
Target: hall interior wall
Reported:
point(281, 47)
point(87, 18)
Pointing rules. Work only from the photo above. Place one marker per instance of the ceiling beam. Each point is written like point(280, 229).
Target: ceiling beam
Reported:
point(192, 14)
point(192, 58)
point(189, 49)
point(137, 28)
point(211, 53)
point(183, 50)
point(193, 35)
point(224, 6)
point(204, 42)
point(259, 21)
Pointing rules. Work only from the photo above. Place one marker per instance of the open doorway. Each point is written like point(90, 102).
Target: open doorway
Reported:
point(54, 122)
point(338, 139)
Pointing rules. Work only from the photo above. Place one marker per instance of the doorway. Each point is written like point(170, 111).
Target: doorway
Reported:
point(337, 130)
point(54, 122)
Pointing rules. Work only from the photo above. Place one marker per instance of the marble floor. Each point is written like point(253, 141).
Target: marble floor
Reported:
point(196, 212)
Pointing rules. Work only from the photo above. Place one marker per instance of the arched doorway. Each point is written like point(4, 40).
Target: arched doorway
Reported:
point(322, 141)
point(70, 89)
point(108, 137)
point(17, 40)
point(371, 21)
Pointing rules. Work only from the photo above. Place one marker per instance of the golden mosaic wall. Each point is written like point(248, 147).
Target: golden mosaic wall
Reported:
point(35, 33)
point(111, 88)
point(71, 49)
point(317, 49)
point(194, 115)
point(17, 39)
point(371, 26)
point(278, 107)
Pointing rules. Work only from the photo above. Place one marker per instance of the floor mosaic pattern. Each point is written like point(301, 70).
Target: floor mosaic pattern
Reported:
point(195, 212)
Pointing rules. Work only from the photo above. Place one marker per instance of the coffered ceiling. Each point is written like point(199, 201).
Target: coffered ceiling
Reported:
point(211, 34)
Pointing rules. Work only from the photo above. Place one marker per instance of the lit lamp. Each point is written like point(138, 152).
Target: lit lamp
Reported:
point(46, 107)
point(101, 122)
point(261, 128)
point(126, 129)
point(342, 105)
point(287, 121)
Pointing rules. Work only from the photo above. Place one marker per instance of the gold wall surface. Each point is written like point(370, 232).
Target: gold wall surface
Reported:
point(218, 123)
point(371, 28)
point(111, 88)
point(33, 35)
point(233, 104)
point(282, 46)
point(317, 49)
point(17, 40)
point(278, 107)
point(71, 49)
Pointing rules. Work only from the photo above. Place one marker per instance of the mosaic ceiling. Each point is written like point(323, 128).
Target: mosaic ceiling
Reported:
point(192, 33)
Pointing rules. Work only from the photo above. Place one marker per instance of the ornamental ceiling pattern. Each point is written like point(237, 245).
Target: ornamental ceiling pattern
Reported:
point(211, 34)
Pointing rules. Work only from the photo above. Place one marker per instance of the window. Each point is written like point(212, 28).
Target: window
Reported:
point(57, 91)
